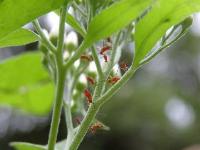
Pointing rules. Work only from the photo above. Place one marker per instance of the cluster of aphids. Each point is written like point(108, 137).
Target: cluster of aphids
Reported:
point(104, 50)
point(107, 46)
point(104, 53)
point(94, 127)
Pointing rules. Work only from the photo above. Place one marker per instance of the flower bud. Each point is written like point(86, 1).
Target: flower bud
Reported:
point(82, 83)
point(92, 70)
point(71, 41)
point(54, 35)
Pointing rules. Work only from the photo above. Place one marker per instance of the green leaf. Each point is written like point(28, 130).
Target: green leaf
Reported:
point(116, 17)
point(15, 14)
point(164, 14)
point(26, 146)
point(18, 37)
point(75, 25)
point(25, 85)
point(70, 20)
point(184, 25)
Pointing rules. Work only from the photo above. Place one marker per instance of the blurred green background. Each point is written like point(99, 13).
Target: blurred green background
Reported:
point(158, 109)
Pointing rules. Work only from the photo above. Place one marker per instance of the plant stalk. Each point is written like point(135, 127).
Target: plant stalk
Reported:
point(60, 82)
point(57, 109)
point(95, 106)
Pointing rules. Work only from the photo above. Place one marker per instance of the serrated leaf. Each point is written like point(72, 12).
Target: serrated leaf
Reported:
point(163, 15)
point(15, 14)
point(116, 17)
point(18, 37)
point(25, 84)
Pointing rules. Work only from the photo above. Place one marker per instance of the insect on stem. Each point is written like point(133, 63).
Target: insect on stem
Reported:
point(78, 120)
point(86, 58)
point(124, 66)
point(88, 96)
point(95, 127)
point(113, 80)
point(105, 49)
point(105, 57)
point(91, 80)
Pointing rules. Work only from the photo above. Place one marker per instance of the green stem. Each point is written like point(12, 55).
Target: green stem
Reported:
point(79, 9)
point(61, 74)
point(94, 108)
point(68, 116)
point(76, 55)
point(61, 32)
point(97, 62)
point(92, 111)
point(44, 39)
point(57, 108)
point(117, 86)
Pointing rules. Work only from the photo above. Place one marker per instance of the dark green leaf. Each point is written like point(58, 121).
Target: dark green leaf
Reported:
point(164, 14)
point(18, 37)
point(25, 85)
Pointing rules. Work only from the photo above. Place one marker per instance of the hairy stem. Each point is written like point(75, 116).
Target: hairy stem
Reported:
point(94, 108)
point(92, 111)
point(61, 74)
point(57, 109)
point(43, 37)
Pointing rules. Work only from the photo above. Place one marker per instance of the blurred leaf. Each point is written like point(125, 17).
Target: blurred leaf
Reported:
point(75, 25)
point(154, 25)
point(26, 146)
point(185, 25)
point(70, 20)
point(114, 18)
point(15, 14)
point(18, 37)
point(25, 85)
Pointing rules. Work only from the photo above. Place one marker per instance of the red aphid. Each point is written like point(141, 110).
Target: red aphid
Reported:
point(105, 58)
point(105, 49)
point(95, 126)
point(86, 57)
point(91, 80)
point(88, 96)
point(113, 80)
point(78, 120)
point(124, 66)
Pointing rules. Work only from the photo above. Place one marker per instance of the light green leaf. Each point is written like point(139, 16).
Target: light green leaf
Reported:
point(25, 85)
point(75, 25)
point(18, 37)
point(109, 21)
point(26, 146)
point(164, 14)
point(116, 17)
point(15, 14)
point(184, 25)
point(70, 20)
